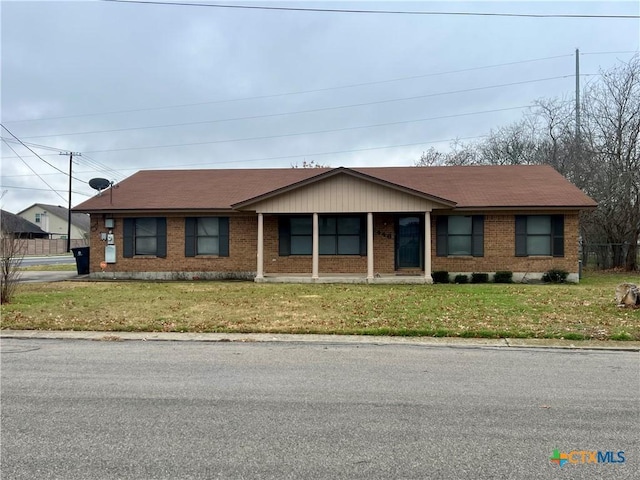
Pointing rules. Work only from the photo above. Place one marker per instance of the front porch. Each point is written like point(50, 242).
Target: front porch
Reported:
point(385, 248)
point(382, 279)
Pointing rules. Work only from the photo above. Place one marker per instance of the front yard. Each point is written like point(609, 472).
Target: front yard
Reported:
point(575, 312)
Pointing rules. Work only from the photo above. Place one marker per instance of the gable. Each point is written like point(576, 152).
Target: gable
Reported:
point(344, 193)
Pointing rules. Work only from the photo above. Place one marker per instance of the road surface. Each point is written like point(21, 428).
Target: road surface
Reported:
point(190, 410)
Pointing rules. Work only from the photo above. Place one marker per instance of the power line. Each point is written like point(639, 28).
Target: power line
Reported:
point(289, 157)
point(301, 92)
point(28, 148)
point(35, 173)
point(383, 12)
point(314, 110)
point(316, 132)
point(42, 189)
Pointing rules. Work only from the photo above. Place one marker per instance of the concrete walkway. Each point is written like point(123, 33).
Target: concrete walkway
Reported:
point(333, 339)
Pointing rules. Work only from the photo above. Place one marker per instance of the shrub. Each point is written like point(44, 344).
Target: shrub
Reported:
point(503, 277)
point(479, 277)
point(555, 275)
point(461, 278)
point(440, 276)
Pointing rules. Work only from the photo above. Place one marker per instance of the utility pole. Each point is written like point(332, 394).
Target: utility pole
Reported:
point(71, 154)
point(577, 96)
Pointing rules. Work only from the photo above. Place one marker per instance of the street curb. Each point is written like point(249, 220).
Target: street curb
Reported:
point(313, 338)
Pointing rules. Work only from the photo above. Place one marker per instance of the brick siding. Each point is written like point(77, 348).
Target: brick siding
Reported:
point(499, 249)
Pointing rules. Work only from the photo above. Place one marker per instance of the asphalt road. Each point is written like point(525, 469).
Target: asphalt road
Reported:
point(47, 260)
point(190, 410)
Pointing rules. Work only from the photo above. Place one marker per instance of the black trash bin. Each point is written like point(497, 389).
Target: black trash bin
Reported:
point(81, 255)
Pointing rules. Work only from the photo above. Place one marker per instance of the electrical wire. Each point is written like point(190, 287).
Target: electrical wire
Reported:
point(28, 148)
point(44, 190)
point(35, 173)
point(384, 12)
point(314, 110)
point(301, 92)
point(316, 132)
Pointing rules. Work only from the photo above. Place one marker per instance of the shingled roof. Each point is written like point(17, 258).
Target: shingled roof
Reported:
point(513, 186)
point(12, 223)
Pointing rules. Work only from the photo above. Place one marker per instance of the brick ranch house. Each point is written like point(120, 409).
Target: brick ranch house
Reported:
point(369, 225)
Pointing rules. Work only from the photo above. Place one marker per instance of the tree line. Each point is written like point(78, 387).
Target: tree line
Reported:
point(601, 155)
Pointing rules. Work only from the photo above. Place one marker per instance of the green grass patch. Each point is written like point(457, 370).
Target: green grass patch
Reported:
point(62, 267)
point(573, 312)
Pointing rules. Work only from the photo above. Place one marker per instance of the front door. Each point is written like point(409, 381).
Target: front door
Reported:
point(409, 250)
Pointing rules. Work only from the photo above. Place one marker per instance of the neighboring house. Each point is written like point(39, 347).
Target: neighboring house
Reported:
point(19, 227)
point(375, 225)
point(54, 220)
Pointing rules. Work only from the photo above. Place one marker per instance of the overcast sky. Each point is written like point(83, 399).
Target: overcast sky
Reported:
point(140, 86)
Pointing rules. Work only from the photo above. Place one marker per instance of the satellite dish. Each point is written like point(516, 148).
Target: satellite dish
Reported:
point(99, 184)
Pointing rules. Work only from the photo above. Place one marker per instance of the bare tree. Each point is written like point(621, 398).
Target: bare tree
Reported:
point(602, 156)
point(610, 141)
point(310, 164)
point(11, 255)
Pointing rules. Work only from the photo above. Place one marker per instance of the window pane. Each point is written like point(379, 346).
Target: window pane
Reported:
point(301, 226)
point(539, 245)
point(146, 227)
point(208, 246)
point(459, 225)
point(348, 225)
point(207, 227)
point(301, 245)
point(327, 245)
point(327, 225)
point(460, 245)
point(539, 224)
point(349, 245)
point(146, 246)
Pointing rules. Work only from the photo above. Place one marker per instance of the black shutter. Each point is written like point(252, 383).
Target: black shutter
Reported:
point(161, 235)
point(127, 237)
point(284, 237)
point(223, 232)
point(363, 236)
point(442, 236)
point(190, 225)
point(557, 233)
point(521, 235)
point(477, 236)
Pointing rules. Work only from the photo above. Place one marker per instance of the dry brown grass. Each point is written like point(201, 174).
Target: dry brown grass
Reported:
point(585, 311)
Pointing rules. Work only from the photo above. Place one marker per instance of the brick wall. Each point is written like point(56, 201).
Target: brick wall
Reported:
point(243, 245)
point(499, 250)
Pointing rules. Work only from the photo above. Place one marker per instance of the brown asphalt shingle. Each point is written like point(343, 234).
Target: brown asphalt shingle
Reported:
point(469, 187)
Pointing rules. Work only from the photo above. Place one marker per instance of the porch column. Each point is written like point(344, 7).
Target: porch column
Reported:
point(369, 246)
point(427, 247)
point(260, 266)
point(315, 248)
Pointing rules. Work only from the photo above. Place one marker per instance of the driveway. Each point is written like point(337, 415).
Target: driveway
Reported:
point(34, 276)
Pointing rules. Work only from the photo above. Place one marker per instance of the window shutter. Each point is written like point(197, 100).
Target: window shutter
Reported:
point(127, 237)
point(161, 232)
point(223, 229)
point(190, 236)
point(521, 236)
point(477, 236)
point(284, 237)
point(442, 227)
point(363, 236)
point(557, 233)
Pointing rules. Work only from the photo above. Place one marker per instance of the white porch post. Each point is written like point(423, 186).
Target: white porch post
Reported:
point(260, 266)
point(369, 246)
point(427, 247)
point(315, 248)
